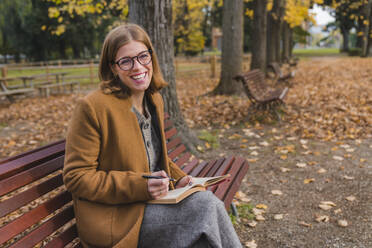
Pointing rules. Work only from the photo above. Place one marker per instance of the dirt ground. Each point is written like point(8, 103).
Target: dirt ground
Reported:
point(292, 177)
point(310, 177)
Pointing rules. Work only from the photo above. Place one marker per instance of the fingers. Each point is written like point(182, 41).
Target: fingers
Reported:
point(161, 173)
point(158, 187)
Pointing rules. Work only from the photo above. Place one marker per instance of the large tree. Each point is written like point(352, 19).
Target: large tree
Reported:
point(259, 34)
point(232, 47)
point(155, 16)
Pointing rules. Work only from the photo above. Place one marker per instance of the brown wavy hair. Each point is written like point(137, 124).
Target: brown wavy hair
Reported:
point(116, 38)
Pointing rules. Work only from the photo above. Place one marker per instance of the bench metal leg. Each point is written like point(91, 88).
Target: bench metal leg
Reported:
point(234, 211)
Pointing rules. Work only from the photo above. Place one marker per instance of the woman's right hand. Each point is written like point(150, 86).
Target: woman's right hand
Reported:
point(158, 187)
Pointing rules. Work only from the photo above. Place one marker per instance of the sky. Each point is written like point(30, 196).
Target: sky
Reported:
point(322, 17)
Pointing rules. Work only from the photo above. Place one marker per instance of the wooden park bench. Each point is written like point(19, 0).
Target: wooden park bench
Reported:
point(46, 89)
point(278, 74)
point(260, 93)
point(35, 207)
point(11, 93)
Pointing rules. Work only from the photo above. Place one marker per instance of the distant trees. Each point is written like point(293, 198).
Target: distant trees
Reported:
point(354, 14)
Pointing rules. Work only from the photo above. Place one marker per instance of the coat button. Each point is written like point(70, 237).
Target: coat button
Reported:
point(146, 126)
point(148, 143)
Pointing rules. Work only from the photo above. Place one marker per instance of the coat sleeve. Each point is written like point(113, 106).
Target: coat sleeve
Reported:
point(81, 173)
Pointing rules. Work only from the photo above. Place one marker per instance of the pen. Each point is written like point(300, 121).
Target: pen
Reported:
point(158, 177)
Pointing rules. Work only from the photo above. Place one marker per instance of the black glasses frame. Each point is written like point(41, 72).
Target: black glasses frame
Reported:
point(132, 59)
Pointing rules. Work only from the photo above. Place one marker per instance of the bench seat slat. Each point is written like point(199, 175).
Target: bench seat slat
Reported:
point(197, 169)
point(238, 170)
point(173, 143)
point(30, 175)
point(174, 154)
point(63, 239)
point(29, 195)
point(46, 228)
point(190, 166)
point(33, 216)
point(183, 159)
point(222, 170)
point(167, 124)
point(23, 161)
point(212, 171)
point(170, 133)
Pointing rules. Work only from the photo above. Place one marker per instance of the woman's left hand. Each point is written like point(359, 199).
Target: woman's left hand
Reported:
point(184, 181)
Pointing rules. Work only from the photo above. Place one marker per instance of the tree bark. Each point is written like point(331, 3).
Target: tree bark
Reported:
point(286, 53)
point(366, 28)
point(232, 47)
point(273, 42)
point(155, 16)
point(259, 35)
point(345, 39)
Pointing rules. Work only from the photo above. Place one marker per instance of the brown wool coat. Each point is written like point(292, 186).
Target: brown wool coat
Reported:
point(104, 163)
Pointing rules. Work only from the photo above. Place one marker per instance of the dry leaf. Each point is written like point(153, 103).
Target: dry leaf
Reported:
point(348, 177)
point(252, 223)
point(282, 169)
point(264, 143)
point(251, 244)
point(337, 211)
point(325, 207)
point(257, 211)
point(351, 198)
point(278, 216)
point(301, 165)
point(276, 192)
point(338, 158)
point(322, 218)
point(260, 218)
point(309, 180)
point(342, 223)
point(254, 153)
point(283, 157)
point(328, 203)
point(261, 206)
point(321, 171)
point(303, 223)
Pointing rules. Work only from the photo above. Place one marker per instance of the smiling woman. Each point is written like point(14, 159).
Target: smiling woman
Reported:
point(115, 141)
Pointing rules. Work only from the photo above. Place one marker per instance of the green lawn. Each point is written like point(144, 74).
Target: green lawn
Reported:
point(317, 52)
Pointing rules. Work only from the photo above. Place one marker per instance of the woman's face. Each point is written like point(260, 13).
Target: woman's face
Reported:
point(136, 61)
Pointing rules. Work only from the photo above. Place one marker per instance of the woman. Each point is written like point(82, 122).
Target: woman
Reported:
point(115, 138)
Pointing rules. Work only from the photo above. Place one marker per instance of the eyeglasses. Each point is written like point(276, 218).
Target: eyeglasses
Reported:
point(127, 63)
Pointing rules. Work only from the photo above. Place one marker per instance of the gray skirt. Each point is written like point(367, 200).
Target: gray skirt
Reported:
point(200, 220)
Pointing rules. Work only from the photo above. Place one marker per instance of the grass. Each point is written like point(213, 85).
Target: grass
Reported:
point(210, 137)
point(317, 52)
point(245, 211)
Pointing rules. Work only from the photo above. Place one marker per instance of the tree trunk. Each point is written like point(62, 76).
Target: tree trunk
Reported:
point(232, 47)
point(369, 46)
point(345, 38)
point(155, 16)
point(286, 42)
point(273, 42)
point(259, 35)
point(366, 28)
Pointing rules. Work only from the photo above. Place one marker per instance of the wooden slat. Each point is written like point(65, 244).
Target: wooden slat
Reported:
point(46, 229)
point(63, 239)
point(14, 165)
point(173, 143)
point(183, 159)
point(190, 166)
point(168, 123)
point(29, 195)
point(197, 169)
point(212, 171)
point(222, 170)
point(174, 154)
point(236, 184)
point(170, 133)
point(31, 175)
point(35, 215)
